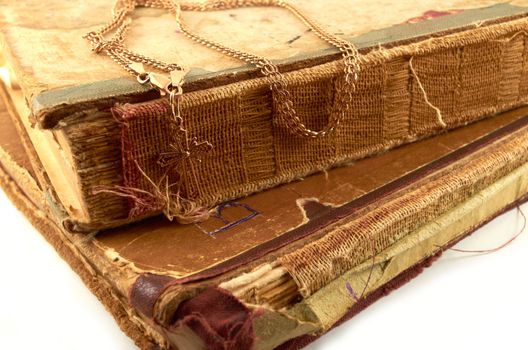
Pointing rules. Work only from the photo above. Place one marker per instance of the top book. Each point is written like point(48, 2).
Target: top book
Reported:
point(104, 140)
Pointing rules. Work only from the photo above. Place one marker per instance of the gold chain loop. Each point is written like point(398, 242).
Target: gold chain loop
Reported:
point(284, 107)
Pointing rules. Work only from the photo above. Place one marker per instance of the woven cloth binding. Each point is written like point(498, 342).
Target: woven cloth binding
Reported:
point(351, 243)
point(466, 76)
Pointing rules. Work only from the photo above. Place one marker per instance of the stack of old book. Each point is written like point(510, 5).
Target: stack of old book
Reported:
point(279, 237)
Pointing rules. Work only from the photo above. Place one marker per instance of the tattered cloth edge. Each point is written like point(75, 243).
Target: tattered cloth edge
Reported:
point(400, 280)
point(105, 294)
point(352, 207)
point(331, 305)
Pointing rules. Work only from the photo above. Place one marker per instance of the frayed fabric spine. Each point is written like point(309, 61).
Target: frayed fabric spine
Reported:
point(319, 262)
point(404, 94)
point(144, 194)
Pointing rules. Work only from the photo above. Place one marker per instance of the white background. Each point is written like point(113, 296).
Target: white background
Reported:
point(462, 302)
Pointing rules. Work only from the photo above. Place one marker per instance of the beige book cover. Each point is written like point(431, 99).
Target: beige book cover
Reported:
point(426, 68)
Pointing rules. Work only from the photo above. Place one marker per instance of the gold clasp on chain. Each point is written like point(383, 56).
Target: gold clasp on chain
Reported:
point(165, 85)
point(178, 76)
point(175, 95)
point(161, 82)
point(175, 90)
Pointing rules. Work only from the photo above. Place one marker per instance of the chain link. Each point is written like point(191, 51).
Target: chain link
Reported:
point(283, 104)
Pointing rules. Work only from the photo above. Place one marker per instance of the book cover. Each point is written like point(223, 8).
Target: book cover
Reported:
point(425, 69)
point(255, 277)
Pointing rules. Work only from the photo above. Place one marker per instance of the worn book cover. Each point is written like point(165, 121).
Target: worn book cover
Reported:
point(261, 271)
point(100, 136)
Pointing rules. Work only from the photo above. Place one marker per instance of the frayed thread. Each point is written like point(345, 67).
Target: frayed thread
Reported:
point(503, 245)
point(161, 197)
point(439, 116)
point(510, 38)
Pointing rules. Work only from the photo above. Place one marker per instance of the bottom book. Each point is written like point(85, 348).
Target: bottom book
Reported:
point(278, 269)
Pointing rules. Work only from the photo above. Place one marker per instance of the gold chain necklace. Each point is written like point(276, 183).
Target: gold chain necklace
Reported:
point(172, 84)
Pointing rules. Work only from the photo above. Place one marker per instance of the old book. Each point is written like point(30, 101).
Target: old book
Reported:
point(425, 68)
point(259, 274)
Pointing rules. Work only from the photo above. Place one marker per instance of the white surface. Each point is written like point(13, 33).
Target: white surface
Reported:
point(461, 302)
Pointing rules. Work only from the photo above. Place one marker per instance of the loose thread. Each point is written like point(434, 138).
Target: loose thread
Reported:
point(174, 206)
point(478, 24)
point(505, 244)
point(353, 294)
point(326, 175)
point(141, 198)
point(373, 250)
point(349, 288)
point(507, 40)
point(439, 116)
